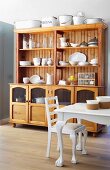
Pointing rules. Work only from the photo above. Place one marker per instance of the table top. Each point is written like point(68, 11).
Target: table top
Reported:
point(81, 108)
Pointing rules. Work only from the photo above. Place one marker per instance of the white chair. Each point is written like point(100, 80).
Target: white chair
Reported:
point(71, 129)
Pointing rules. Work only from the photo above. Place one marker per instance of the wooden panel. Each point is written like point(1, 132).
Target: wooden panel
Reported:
point(19, 112)
point(37, 115)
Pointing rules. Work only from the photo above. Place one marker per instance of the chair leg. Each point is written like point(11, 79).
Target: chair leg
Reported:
point(79, 143)
point(48, 145)
point(74, 142)
point(84, 152)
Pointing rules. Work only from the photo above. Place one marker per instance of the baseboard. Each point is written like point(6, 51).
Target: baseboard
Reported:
point(4, 121)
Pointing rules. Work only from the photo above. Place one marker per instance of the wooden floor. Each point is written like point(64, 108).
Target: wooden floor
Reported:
point(24, 148)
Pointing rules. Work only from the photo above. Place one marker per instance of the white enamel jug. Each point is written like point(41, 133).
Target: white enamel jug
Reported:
point(49, 79)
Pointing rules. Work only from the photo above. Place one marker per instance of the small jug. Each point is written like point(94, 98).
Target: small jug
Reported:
point(49, 61)
point(44, 61)
point(49, 79)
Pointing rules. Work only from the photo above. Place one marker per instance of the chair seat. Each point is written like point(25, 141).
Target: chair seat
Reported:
point(69, 128)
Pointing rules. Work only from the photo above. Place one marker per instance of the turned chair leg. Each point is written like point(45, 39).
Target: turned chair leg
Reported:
point(74, 142)
point(48, 145)
point(84, 142)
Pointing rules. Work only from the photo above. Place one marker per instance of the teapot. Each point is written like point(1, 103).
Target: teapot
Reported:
point(49, 79)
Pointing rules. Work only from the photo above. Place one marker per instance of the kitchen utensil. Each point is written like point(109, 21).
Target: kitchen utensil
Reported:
point(25, 63)
point(77, 56)
point(83, 63)
point(49, 62)
point(103, 98)
point(25, 80)
point(73, 63)
point(49, 21)
point(63, 63)
point(83, 44)
point(78, 20)
point(65, 20)
point(62, 82)
point(93, 20)
point(74, 44)
point(44, 61)
point(27, 24)
point(40, 100)
point(49, 80)
point(104, 101)
point(34, 79)
point(36, 61)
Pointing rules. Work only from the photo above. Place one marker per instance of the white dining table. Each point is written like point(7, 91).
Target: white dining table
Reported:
point(79, 111)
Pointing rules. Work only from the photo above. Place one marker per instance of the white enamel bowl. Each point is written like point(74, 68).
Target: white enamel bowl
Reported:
point(25, 63)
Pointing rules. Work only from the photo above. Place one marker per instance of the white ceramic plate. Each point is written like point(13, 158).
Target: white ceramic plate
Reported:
point(77, 56)
point(34, 79)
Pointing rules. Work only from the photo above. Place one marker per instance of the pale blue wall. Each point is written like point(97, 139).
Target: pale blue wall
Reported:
point(6, 66)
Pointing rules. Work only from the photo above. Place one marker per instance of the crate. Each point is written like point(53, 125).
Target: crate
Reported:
point(87, 79)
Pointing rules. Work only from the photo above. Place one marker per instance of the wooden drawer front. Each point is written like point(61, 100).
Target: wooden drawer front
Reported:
point(19, 112)
point(37, 115)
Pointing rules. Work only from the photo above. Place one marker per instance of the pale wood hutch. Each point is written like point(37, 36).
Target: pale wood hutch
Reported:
point(26, 111)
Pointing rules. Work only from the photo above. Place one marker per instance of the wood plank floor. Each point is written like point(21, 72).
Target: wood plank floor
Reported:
point(24, 148)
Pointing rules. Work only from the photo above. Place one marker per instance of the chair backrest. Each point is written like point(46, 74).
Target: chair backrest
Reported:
point(51, 103)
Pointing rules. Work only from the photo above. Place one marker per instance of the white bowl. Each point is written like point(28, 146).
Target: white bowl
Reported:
point(25, 63)
point(62, 82)
point(74, 44)
point(93, 20)
point(83, 63)
point(73, 63)
point(92, 101)
point(25, 80)
point(27, 24)
point(103, 98)
point(93, 63)
point(63, 63)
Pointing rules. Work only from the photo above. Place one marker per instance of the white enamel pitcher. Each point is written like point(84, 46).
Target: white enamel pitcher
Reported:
point(49, 79)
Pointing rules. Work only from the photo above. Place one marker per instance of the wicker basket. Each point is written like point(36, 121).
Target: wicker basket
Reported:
point(92, 106)
point(104, 105)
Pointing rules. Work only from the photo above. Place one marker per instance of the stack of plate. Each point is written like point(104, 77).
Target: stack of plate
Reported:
point(93, 42)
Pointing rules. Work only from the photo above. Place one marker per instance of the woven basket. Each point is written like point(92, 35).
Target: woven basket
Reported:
point(104, 105)
point(92, 106)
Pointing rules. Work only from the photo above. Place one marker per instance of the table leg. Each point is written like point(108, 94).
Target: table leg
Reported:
point(79, 145)
point(59, 127)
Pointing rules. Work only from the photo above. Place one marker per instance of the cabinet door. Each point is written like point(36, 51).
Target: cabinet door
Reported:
point(85, 93)
point(37, 114)
point(19, 104)
point(65, 94)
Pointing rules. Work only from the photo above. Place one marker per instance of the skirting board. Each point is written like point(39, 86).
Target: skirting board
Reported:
point(4, 121)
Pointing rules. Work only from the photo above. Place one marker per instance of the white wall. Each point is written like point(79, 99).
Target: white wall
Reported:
point(13, 10)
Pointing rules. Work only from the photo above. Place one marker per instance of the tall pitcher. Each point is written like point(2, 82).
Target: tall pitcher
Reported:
point(49, 79)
